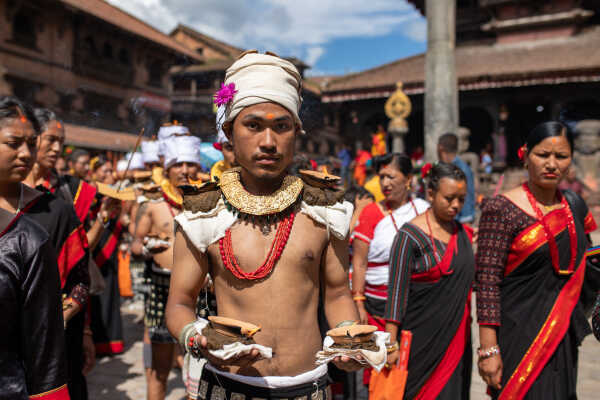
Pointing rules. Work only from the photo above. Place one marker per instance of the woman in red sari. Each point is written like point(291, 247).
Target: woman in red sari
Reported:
point(531, 269)
point(432, 269)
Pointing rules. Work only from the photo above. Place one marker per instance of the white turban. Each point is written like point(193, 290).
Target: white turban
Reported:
point(180, 149)
point(150, 151)
point(137, 160)
point(261, 78)
point(121, 165)
point(166, 132)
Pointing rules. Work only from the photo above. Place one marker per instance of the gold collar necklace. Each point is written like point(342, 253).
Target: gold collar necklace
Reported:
point(170, 194)
point(249, 206)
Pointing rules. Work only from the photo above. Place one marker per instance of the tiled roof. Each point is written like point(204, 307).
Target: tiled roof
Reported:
point(93, 138)
point(119, 18)
point(481, 66)
point(222, 47)
point(210, 65)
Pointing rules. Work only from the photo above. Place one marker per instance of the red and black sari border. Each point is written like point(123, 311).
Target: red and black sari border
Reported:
point(60, 393)
point(547, 340)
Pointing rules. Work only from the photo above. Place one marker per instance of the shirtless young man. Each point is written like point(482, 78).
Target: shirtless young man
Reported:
point(153, 235)
point(262, 124)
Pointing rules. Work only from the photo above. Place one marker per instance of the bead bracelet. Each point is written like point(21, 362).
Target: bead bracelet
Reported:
point(487, 353)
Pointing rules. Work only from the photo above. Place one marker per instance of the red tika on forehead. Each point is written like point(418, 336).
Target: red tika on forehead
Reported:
point(22, 117)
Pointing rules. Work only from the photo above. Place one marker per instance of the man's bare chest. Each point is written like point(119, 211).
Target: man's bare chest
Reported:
point(162, 219)
point(249, 248)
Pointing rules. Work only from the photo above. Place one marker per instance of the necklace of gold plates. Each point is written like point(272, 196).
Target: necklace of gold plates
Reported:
point(278, 207)
point(260, 209)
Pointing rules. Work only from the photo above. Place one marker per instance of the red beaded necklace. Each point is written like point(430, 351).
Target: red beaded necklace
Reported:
point(435, 252)
point(550, 237)
point(281, 237)
point(391, 212)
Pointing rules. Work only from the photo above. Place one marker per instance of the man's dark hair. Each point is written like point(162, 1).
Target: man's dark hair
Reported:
point(78, 153)
point(449, 143)
point(11, 107)
point(43, 116)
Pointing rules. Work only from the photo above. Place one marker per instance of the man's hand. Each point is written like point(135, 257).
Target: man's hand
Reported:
point(348, 364)
point(239, 361)
point(89, 354)
point(490, 370)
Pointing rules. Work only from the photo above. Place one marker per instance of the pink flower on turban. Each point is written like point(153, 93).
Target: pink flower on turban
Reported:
point(225, 94)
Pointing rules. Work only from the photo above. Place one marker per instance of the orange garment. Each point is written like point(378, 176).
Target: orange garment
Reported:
point(360, 169)
point(124, 274)
point(379, 146)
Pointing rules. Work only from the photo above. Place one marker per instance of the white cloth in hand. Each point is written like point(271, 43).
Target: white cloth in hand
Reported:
point(234, 349)
point(375, 359)
point(153, 243)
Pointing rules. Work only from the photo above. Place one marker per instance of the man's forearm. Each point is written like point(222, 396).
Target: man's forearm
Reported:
point(177, 317)
point(340, 307)
point(137, 247)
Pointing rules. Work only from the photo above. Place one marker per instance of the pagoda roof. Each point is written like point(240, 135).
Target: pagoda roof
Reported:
point(483, 66)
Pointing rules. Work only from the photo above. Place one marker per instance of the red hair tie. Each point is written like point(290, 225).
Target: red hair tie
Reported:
point(521, 152)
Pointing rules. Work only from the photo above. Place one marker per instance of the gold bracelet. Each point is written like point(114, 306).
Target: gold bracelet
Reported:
point(359, 298)
point(394, 347)
point(67, 303)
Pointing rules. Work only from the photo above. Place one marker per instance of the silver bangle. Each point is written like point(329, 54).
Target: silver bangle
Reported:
point(185, 334)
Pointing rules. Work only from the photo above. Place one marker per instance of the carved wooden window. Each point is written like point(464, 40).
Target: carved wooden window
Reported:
point(24, 29)
point(107, 51)
point(155, 73)
point(124, 57)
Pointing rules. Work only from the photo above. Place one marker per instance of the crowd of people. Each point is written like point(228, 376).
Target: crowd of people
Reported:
point(273, 238)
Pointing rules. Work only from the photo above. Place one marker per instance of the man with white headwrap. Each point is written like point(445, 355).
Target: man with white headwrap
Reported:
point(224, 146)
point(150, 153)
point(167, 131)
point(295, 231)
point(153, 241)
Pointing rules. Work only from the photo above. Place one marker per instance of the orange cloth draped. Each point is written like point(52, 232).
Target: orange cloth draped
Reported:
point(124, 275)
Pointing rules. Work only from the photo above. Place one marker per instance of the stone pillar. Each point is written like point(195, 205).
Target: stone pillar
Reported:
point(398, 141)
point(441, 93)
point(587, 154)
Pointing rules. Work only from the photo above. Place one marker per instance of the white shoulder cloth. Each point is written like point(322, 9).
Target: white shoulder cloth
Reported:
point(206, 228)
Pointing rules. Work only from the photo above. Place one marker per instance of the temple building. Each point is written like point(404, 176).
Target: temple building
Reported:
point(105, 72)
point(517, 62)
